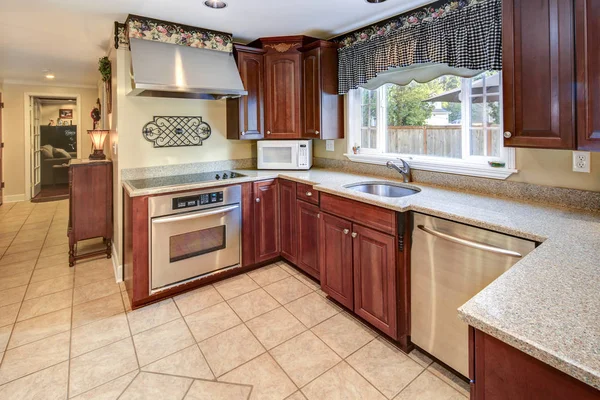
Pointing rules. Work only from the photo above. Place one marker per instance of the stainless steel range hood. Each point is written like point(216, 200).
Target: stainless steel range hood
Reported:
point(170, 70)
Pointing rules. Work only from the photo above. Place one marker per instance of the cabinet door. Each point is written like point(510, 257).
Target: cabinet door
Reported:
point(266, 220)
point(311, 93)
point(336, 259)
point(375, 278)
point(587, 36)
point(248, 227)
point(245, 115)
point(283, 95)
point(287, 219)
point(308, 238)
point(538, 73)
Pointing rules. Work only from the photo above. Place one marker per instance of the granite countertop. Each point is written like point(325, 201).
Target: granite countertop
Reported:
point(547, 305)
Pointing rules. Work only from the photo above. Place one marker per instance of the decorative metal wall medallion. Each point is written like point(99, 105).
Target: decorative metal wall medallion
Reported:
point(176, 131)
point(282, 47)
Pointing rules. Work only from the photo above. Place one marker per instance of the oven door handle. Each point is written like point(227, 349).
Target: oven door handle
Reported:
point(195, 215)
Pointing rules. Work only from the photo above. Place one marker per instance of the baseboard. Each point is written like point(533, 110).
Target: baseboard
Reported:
point(117, 267)
point(13, 198)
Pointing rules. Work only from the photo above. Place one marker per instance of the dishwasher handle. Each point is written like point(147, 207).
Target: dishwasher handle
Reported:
point(469, 243)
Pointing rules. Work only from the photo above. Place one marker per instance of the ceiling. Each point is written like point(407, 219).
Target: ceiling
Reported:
point(68, 36)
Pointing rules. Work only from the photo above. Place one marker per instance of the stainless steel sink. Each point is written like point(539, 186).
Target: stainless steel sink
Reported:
point(385, 189)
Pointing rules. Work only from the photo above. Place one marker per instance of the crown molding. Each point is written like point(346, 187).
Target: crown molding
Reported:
point(37, 83)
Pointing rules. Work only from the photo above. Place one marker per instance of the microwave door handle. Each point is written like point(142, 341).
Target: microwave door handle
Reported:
point(195, 215)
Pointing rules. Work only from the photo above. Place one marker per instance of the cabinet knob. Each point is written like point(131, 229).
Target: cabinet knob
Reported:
point(242, 133)
point(346, 231)
point(507, 134)
point(268, 132)
point(258, 200)
point(309, 194)
point(319, 215)
point(354, 234)
point(317, 132)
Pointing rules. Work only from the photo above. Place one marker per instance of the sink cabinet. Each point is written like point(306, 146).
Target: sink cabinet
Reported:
point(364, 263)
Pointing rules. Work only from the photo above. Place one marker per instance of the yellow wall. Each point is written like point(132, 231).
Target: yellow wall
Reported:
point(51, 112)
point(541, 167)
point(130, 114)
point(14, 132)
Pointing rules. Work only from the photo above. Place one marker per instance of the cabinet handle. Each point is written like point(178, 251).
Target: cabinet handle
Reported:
point(258, 200)
point(507, 134)
point(309, 194)
point(319, 215)
point(268, 132)
point(354, 234)
point(317, 132)
point(346, 231)
point(242, 133)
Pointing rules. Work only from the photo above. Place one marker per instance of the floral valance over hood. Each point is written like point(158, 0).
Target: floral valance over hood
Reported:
point(460, 34)
point(183, 35)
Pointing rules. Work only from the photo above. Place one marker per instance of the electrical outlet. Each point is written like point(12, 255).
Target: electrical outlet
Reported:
point(329, 145)
point(581, 161)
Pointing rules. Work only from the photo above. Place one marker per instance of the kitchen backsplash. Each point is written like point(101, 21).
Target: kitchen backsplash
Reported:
point(573, 198)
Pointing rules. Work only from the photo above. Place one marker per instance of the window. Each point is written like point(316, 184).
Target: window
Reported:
point(448, 124)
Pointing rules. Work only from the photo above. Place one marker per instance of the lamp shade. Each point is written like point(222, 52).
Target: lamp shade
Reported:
point(98, 137)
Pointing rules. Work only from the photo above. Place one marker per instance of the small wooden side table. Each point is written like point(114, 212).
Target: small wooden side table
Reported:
point(90, 206)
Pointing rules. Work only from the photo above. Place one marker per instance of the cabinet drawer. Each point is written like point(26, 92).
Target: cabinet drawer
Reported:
point(375, 217)
point(307, 193)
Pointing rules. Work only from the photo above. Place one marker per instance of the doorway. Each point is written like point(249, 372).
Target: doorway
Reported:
point(54, 137)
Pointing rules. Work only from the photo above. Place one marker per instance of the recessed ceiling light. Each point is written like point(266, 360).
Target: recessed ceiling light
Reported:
point(374, 1)
point(215, 4)
point(50, 75)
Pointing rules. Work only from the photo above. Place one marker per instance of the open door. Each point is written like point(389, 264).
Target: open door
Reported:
point(35, 110)
point(1, 150)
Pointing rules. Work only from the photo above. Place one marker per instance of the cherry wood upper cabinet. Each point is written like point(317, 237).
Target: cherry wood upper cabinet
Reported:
point(246, 115)
point(336, 259)
point(375, 278)
point(283, 85)
point(538, 73)
point(308, 238)
point(587, 38)
point(287, 219)
point(322, 106)
point(266, 220)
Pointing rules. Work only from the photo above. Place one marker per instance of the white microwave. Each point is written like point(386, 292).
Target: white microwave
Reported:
point(284, 154)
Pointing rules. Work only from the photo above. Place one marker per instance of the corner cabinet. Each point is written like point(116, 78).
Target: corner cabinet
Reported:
point(287, 220)
point(266, 220)
point(246, 114)
point(587, 37)
point(292, 85)
point(322, 106)
point(538, 73)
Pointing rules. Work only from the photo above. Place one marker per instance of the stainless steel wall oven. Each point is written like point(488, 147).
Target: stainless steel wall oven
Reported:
point(193, 234)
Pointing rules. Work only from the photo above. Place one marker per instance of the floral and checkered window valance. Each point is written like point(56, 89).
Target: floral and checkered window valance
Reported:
point(457, 34)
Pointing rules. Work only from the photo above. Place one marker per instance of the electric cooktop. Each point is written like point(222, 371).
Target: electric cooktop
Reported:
point(152, 183)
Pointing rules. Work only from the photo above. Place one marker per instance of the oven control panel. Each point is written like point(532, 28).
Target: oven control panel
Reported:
point(197, 200)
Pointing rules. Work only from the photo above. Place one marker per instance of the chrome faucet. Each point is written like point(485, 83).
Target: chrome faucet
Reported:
point(404, 170)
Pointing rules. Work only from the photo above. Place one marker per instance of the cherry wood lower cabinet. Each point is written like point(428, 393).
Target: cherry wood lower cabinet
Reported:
point(364, 262)
point(266, 220)
point(287, 220)
point(375, 278)
point(336, 259)
point(307, 217)
point(499, 372)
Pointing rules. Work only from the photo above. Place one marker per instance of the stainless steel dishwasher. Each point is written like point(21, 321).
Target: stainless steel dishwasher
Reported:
point(451, 263)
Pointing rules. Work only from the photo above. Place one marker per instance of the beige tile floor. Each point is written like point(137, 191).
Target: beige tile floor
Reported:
point(269, 334)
